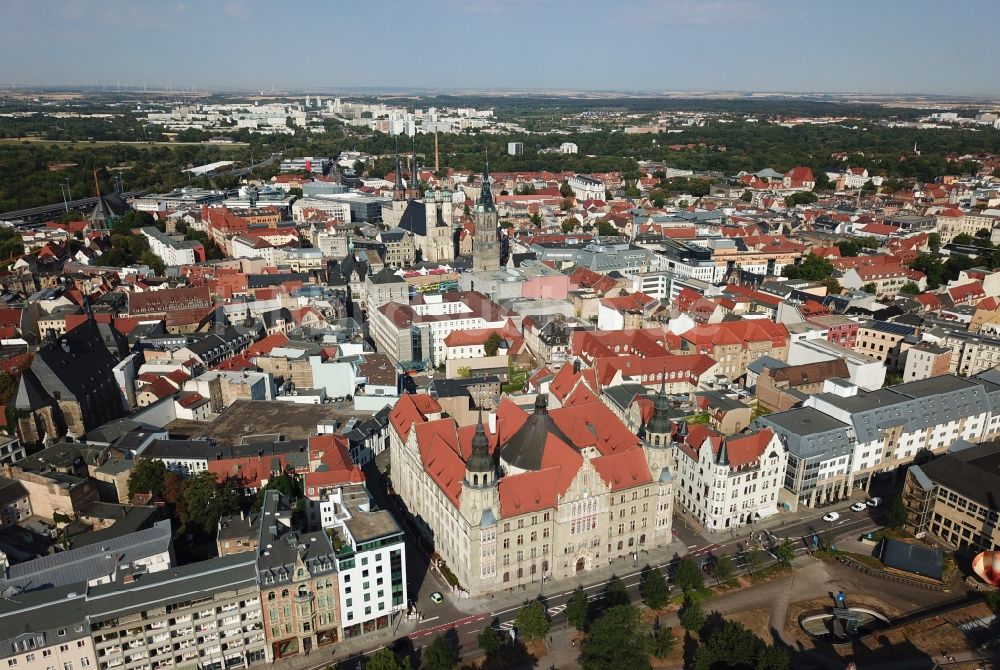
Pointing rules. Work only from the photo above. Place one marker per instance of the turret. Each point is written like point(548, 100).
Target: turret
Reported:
point(480, 470)
point(658, 428)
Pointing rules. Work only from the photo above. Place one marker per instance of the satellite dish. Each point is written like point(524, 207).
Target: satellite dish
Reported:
point(987, 565)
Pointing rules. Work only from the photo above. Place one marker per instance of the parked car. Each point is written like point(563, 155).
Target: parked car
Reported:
point(874, 502)
point(858, 507)
point(831, 516)
point(437, 598)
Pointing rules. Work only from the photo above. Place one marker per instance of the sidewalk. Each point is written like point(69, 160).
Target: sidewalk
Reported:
point(508, 598)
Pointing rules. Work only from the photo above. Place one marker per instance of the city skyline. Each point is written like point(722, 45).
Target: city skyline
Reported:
point(721, 45)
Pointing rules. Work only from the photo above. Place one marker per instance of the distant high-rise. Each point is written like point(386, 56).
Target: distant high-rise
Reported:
point(515, 148)
point(485, 248)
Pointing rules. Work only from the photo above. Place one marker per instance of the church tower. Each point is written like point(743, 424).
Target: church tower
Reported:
point(413, 188)
point(485, 248)
point(398, 190)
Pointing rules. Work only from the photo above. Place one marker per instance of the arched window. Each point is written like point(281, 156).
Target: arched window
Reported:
point(475, 480)
point(303, 590)
point(270, 595)
point(284, 593)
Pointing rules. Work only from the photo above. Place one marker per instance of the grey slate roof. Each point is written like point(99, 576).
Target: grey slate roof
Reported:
point(757, 367)
point(525, 448)
point(973, 473)
point(414, 218)
point(86, 563)
point(914, 405)
point(809, 433)
point(188, 582)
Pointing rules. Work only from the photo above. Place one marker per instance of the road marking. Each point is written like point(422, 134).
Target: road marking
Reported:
point(557, 609)
point(431, 619)
point(692, 546)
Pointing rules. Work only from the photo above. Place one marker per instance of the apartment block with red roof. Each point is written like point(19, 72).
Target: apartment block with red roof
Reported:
point(530, 494)
point(736, 344)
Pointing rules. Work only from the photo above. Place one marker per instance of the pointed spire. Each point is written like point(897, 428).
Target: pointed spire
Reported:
point(399, 172)
point(659, 422)
point(413, 171)
point(486, 193)
point(480, 460)
point(723, 457)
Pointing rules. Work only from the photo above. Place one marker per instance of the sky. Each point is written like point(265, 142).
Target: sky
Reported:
point(865, 46)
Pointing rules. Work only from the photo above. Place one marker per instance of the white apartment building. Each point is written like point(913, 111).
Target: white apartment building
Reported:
point(727, 482)
point(172, 250)
point(418, 331)
point(586, 188)
point(890, 425)
point(335, 209)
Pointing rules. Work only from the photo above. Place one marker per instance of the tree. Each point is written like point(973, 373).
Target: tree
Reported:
point(833, 286)
point(606, 229)
point(531, 621)
point(772, 657)
point(489, 641)
point(870, 288)
point(359, 168)
point(566, 191)
point(439, 655)
point(747, 196)
point(11, 244)
point(722, 569)
point(812, 268)
point(295, 191)
point(923, 455)
point(384, 659)
point(785, 551)
point(910, 288)
point(616, 593)
point(616, 640)
point(663, 642)
point(174, 490)
point(687, 575)
point(934, 242)
point(753, 559)
point(569, 224)
point(963, 238)
point(492, 345)
point(536, 220)
point(147, 476)
point(732, 645)
point(154, 262)
point(654, 590)
point(800, 198)
point(895, 513)
point(983, 233)
point(208, 500)
point(691, 616)
point(578, 609)
point(822, 181)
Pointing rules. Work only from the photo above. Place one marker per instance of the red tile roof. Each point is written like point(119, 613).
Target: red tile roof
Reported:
point(623, 470)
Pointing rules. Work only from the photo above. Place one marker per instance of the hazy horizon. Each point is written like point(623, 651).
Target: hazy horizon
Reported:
point(638, 47)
